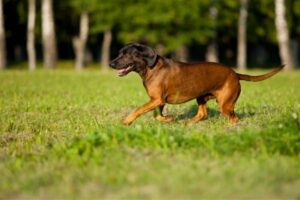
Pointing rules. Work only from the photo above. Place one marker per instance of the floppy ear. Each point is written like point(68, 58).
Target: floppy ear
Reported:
point(149, 55)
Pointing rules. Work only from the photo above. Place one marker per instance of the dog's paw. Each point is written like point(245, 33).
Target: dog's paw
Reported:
point(127, 121)
point(195, 119)
point(165, 119)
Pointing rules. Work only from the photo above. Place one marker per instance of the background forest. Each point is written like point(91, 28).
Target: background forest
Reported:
point(240, 33)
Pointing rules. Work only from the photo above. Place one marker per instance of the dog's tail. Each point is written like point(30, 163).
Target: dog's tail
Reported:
point(246, 77)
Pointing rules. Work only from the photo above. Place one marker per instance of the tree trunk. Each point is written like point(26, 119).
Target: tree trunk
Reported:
point(79, 43)
point(212, 51)
point(105, 53)
point(212, 48)
point(283, 35)
point(181, 53)
point(30, 36)
point(2, 38)
point(48, 32)
point(160, 49)
point(242, 36)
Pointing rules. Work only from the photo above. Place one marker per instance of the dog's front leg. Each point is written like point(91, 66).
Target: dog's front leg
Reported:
point(152, 104)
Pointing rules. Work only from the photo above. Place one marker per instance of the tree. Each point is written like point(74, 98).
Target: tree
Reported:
point(105, 16)
point(82, 8)
point(225, 27)
point(212, 48)
point(48, 34)
point(181, 53)
point(79, 42)
point(105, 50)
point(242, 36)
point(30, 35)
point(2, 38)
point(283, 35)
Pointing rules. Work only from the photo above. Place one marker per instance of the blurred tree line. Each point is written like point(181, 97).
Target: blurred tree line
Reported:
point(235, 32)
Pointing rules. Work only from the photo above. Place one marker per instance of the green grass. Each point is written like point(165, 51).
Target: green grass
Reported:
point(61, 138)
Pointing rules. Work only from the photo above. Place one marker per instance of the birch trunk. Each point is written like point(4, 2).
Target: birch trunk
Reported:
point(283, 35)
point(105, 56)
point(212, 51)
point(30, 36)
point(48, 34)
point(181, 53)
point(160, 49)
point(79, 43)
point(212, 54)
point(242, 36)
point(2, 38)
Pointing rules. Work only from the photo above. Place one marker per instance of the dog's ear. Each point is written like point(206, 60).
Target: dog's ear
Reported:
point(149, 55)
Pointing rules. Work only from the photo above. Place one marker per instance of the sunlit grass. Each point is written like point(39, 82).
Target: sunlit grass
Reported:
point(61, 137)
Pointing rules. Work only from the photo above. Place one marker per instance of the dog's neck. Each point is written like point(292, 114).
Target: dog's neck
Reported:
point(147, 72)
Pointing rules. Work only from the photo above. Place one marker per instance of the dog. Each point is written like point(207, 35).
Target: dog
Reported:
point(173, 82)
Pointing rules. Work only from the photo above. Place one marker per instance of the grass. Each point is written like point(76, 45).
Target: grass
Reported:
point(61, 138)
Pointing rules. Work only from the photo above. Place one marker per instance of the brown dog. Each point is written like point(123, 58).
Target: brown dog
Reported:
point(169, 81)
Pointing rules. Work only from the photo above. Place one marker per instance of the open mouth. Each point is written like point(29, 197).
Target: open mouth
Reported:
point(125, 70)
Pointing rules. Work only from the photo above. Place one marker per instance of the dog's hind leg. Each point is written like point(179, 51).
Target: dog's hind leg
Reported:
point(227, 99)
point(158, 114)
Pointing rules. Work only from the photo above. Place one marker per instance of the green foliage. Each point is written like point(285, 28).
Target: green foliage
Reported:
point(228, 13)
point(82, 6)
point(106, 14)
point(171, 23)
point(262, 17)
point(61, 137)
point(22, 8)
point(293, 13)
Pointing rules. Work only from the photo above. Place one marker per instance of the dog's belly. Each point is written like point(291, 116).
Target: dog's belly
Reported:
point(182, 95)
point(175, 99)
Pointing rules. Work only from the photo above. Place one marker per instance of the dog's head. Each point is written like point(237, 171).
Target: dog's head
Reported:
point(134, 57)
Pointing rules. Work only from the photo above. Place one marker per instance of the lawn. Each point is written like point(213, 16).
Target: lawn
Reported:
point(61, 137)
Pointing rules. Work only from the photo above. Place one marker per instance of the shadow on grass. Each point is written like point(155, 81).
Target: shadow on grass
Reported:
point(193, 110)
point(212, 113)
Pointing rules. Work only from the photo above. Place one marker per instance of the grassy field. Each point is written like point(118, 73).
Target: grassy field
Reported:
point(61, 138)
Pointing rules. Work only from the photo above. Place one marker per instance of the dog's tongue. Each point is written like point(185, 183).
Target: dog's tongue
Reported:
point(121, 71)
